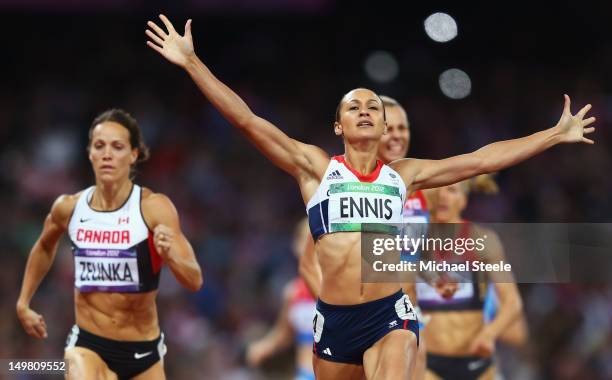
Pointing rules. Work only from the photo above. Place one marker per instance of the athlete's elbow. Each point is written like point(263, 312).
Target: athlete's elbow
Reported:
point(244, 121)
point(195, 283)
point(199, 282)
point(518, 305)
point(514, 305)
point(480, 163)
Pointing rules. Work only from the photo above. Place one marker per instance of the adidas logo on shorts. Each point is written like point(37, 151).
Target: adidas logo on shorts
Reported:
point(327, 351)
point(335, 175)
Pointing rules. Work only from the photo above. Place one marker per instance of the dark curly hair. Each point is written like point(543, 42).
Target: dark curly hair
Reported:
point(119, 116)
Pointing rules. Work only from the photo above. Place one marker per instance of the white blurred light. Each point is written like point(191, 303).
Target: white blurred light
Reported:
point(441, 27)
point(455, 84)
point(381, 66)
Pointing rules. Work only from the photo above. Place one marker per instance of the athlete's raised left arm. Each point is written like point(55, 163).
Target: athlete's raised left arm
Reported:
point(161, 216)
point(423, 174)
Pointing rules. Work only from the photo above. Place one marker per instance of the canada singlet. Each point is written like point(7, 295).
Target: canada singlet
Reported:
point(113, 250)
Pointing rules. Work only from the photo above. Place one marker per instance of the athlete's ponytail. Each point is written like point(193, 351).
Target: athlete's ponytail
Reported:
point(484, 184)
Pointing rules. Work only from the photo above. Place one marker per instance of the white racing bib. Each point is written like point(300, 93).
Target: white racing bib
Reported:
point(347, 201)
point(352, 204)
point(106, 270)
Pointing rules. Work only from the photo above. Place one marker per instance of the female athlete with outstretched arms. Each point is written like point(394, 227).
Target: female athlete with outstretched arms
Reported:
point(354, 328)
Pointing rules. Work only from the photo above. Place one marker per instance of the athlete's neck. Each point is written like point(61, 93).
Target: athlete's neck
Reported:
point(362, 161)
point(110, 196)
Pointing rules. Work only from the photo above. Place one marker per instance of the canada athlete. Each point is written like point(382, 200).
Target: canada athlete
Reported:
point(121, 235)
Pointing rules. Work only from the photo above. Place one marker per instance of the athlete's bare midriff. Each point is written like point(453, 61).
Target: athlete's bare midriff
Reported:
point(339, 256)
point(118, 316)
point(450, 333)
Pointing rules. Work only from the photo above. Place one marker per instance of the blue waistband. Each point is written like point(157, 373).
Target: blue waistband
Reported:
point(360, 306)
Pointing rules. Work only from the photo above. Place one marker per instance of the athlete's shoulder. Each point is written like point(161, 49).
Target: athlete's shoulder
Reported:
point(156, 207)
point(407, 168)
point(402, 162)
point(63, 207)
point(154, 200)
point(478, 230)
point(318, 159)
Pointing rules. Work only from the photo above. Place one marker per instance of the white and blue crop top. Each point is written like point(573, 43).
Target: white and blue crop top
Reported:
point(347, 201)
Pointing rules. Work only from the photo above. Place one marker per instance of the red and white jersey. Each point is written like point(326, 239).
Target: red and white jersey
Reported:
point(415, 208)
point(301, 311)
point(113, 250)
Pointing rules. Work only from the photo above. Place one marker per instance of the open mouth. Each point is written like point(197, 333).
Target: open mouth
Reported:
point(365, 124)
point(395, 148)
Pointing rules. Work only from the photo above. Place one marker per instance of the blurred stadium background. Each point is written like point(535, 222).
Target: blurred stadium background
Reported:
point(65, 61)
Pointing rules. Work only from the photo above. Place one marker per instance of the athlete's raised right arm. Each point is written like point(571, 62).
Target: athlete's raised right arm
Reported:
point(294, 157)
point(40, 260)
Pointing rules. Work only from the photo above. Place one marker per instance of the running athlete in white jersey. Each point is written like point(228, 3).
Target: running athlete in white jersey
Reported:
point(393, 146)
point(121, 235)
point(360, 328)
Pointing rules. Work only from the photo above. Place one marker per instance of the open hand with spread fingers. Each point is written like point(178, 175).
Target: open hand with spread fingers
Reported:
point(171, 45)
point(572, 128)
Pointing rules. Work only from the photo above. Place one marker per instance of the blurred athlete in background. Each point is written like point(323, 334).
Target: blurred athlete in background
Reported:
point(294, 321)
point(460, 342)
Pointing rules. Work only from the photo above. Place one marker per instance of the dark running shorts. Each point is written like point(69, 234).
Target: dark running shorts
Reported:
point(126, 358)
point(458, 368)
point(342, 333)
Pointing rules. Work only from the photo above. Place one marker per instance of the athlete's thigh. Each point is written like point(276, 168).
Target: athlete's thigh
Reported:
point(84, 363)
point(392, 357)
point(429, 375)
point(155, 372)
point(420, 364)
point(327, 370)
point(489, 374)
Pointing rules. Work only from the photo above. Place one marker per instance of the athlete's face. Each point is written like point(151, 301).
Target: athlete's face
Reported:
point(110, 152)
point(451, 202)
point(394, 143)
point(361, 116)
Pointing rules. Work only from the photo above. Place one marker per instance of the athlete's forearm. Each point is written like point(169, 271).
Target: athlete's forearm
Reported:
point(276, 340)
point(233, 108)
point(510, 308)
point(37, 267)
point(503, 154)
